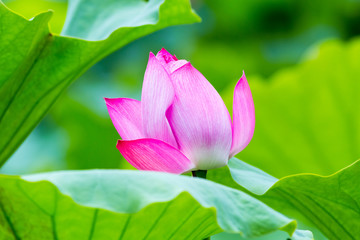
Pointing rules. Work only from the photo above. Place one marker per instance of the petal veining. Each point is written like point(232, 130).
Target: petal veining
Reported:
point(154, 155)
point(199, 119)
point(157, 96)
point(170, 62)
point(243, 117)
point(125, 113)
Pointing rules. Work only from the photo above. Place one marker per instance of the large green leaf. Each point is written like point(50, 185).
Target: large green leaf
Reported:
point(29, 9)
point(307, 117)
point(329, 203)
point(125, 204)
point(36, 66)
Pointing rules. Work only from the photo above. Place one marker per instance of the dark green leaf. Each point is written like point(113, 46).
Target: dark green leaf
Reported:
point(329, 203)
point(36, 66)
point(125, 204)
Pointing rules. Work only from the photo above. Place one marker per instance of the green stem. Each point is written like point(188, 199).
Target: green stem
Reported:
point(200, 174)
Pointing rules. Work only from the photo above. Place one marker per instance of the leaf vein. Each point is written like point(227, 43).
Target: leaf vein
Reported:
point(195, 228)
point(125, 227)
point(8, 220)
point(331, 216)
point(157, 220)
point(300, 204)
point(93, 223)
point(184, 221)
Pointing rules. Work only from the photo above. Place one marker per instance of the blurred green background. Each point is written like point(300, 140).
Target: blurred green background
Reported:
point(301, 59)
point(293, 52)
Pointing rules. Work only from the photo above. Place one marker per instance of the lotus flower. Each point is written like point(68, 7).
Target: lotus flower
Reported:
point(181, 123)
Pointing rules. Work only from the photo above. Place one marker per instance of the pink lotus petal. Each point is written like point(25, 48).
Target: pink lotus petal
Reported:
point(125, 114)
point(154, 155)
point(199, 119)
point(165, 57)
point(243, 117)
point(170, 62)
point(157, 96)
point(174, 65)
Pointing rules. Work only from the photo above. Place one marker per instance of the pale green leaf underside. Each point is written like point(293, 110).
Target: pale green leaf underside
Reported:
point(330, 203)
point(37, 66)
point(124, 204)
point(90, 24)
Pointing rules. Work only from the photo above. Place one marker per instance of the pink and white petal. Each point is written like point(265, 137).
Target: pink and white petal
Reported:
point(243, 117)
point(125, 113)
point(165, 57)
point(199, 119)
point(170, 62)
point(154, 155)
point(157, 96)
point(174, 65)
